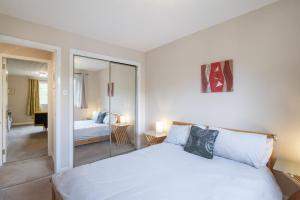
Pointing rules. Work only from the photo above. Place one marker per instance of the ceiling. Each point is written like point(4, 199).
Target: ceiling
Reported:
point(26, 68)
point(89, 64)
point(136, 24)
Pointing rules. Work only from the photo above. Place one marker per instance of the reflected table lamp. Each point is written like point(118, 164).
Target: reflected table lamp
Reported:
point(159, 128)
point(122, 119)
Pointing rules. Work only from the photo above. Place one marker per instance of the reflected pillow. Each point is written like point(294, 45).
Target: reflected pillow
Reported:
point(95, 116)
point(100, 117)
point(201, 142)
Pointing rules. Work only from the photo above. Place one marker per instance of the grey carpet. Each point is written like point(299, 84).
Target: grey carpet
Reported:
point(26, 142)
point(23, 171)
point(97, 151)
point(35, 190)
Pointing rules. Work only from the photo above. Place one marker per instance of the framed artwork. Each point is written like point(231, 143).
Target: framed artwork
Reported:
point(11, 91)
point(217, 77)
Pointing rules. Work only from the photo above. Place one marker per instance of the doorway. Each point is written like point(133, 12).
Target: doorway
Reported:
point(26, 109)
point(104, 109)
point(27, 102)
point(55, 113)
point(27, 113)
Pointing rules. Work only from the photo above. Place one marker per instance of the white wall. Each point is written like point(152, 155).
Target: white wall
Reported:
point(25, 51)
point(30, 31)
point(103, 75)
point(123, 101)
point(17, 102)
point(265, 47)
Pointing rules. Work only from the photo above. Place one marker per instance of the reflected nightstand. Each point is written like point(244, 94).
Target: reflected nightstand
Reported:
point(120, 133)
point(292, 171)
point(152, 138)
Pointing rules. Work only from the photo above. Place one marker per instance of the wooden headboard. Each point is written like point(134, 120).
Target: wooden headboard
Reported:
point(272, 159)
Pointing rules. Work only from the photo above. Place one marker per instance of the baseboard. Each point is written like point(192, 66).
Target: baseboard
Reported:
point(64, 169)
point(22, 123)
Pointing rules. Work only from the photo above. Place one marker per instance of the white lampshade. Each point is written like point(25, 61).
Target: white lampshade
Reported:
point(122, 119)
point(159, 127)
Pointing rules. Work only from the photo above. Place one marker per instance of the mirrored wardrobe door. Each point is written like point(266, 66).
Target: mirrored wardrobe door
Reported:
point(122, 89)
point(91, 105)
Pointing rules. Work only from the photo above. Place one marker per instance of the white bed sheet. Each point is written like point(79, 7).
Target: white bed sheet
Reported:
point(166, 172)
point(86, 129)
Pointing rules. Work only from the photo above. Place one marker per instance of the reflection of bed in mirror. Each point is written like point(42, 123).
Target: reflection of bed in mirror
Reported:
point(89, 131)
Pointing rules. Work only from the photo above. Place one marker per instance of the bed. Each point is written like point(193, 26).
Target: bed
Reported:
point(166, 171)
point(88, 131)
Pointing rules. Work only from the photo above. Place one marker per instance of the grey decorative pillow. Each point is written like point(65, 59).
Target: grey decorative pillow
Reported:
point(100, 117)
point(201, 142)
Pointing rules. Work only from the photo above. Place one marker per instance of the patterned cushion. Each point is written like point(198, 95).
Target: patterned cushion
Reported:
point(100, 117)
point(201, 142)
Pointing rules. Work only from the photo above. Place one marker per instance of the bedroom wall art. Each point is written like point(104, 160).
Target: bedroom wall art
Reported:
point(11, 91)
point(217, 77)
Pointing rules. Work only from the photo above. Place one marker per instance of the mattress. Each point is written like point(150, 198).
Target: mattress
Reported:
point(166, 172)
point(87, 129)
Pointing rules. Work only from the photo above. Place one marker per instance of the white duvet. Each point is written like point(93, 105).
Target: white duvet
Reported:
point(166, 172)
point(86, 129)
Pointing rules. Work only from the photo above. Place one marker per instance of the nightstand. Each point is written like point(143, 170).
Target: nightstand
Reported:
point(292, 171)
point(296, 195)
point(152, 138)
point(119, 132)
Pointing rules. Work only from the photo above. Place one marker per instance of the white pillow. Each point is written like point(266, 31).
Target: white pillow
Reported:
point(95, 116)
point(246, 148)
point(269, 151)
point(113, 119)
point(178, 134)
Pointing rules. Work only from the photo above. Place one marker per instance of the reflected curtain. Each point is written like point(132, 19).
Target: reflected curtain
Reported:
point(33, 101)
point(80, 91)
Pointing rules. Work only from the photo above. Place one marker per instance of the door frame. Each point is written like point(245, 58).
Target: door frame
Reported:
point(50, 112)
point(138, 110)
point(3, 105)
point(1, 112)
point(56, 151)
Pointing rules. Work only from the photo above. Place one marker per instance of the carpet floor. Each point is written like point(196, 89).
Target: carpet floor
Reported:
point(34, 190)
point(97, 151)
point(26, 142)
point(24, 171)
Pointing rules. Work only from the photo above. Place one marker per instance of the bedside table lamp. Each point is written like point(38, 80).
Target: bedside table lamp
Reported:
point(122, 119)
point(292, 169)
point(159, 127)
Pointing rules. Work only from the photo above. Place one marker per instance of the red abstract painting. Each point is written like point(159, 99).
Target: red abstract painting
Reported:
point(217, 77)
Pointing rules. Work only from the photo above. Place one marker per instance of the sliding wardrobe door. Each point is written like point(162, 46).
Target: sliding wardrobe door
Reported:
point(92, 131)
point(122, 93)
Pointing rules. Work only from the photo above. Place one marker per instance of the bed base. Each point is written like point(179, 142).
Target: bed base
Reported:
point(55, 194)
point(92, 140)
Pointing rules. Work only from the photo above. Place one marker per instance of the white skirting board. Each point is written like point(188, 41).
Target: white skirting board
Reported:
point(22, 123)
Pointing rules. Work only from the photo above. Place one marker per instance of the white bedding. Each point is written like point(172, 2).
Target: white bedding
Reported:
point(86, 129)
point(166, 172)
